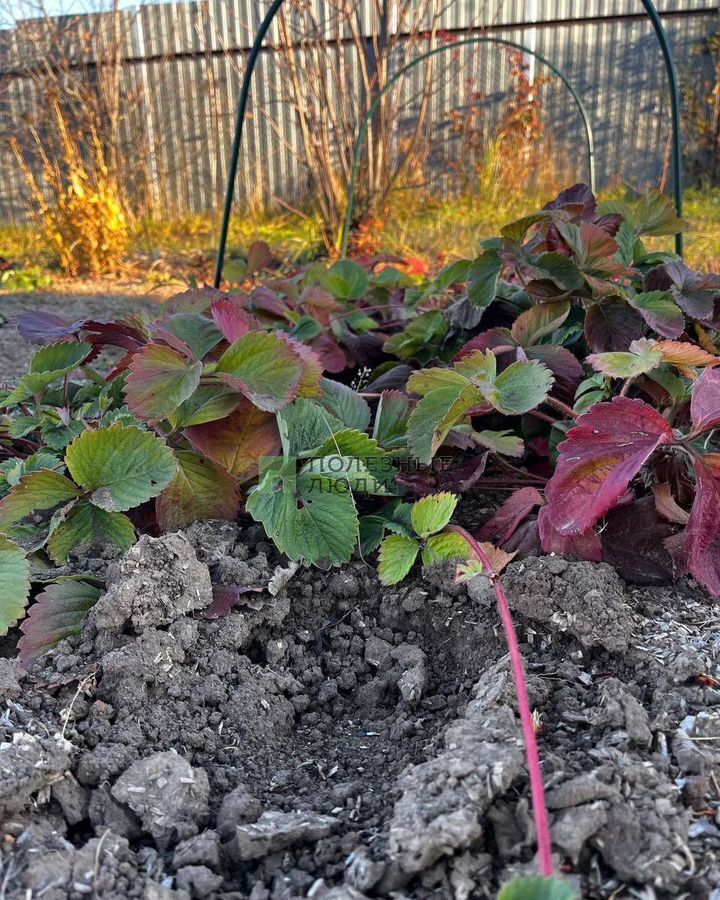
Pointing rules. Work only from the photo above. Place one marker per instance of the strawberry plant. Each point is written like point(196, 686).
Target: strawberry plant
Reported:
point(328, 401)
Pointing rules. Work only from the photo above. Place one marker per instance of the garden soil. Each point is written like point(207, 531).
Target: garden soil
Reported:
point(333, 739)
point(91, 299)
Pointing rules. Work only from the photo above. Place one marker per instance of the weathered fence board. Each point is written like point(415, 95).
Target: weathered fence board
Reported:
point(185, 59)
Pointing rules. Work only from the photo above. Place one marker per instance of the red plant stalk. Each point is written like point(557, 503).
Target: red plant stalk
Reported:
point(537, 790)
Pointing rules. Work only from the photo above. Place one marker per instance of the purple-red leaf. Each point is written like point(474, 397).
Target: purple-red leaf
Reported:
point(584, 545)
point(496, 339)
point(577, 202)
point(633, 543)
point(612, 325)
point(705, 401)
point(130, 333)
point(331, 354)
point(232, 320)
point(509, 516)
point(693, 291)
point(702, 535)
point(565, 367)
point(44, 327)
point(225, 597)
point(602, 454)
point(456, 479)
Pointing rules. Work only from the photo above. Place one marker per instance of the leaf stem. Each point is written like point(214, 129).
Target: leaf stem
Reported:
point(626, 386)
point(566, 410)
point(511, 468)
point(531, 750)
point(543, 416)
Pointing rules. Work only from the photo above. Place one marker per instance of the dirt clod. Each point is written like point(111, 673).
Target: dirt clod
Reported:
point(167, 794)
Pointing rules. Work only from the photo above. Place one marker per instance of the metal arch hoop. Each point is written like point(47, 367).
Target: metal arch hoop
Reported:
point(245, 92)
point(362, 135)
point(672, 78)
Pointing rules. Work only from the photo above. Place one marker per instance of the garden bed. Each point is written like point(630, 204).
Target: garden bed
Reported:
point(342, 739)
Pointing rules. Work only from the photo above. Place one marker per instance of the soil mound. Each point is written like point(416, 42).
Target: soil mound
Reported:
point(340, 739)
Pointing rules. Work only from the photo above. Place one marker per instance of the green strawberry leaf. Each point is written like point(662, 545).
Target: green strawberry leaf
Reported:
point(483, 278)
point(49, 364)
point(642, 357)
point(478, 366)
point(309, 517)
point(305, 425)
point(209, 403)
point(264, 367)
point(160, 379)
point(13, 469)
point(345, 404)
point(433, 417)
point(60, 358)
point(14, 583)
point(397, 556)
point(346, 280)
point(426, 380)
point(83, 525)
point(431, 514)
point(359, 474)
point(504, 442)
point(198, 332)
point(38, 491)
point(201, 489)
point(122, 466)
point(57, 613)
point(521, 387)
point(537, 888)
point(446, 545)
point(391, 420)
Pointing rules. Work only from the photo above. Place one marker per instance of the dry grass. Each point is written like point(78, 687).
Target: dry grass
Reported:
point(176, 250)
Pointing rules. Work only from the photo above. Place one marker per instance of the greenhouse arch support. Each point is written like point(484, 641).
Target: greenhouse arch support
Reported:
point(255, 53)
point(362, 135)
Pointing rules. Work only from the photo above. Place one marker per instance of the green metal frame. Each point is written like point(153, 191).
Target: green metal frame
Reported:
point(252, 62)
point(673, 86)
point(362, 134)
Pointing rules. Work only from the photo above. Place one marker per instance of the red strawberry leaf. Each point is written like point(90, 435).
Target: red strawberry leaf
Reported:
point(705, 401)
point(510, 515)
point(201, 489)
point(602, 454)
point(584, 545)
point(225, 597)
point(499, 339)
point(57, 613)
point(238, 441)
point(232, 320)
point(702, 535)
